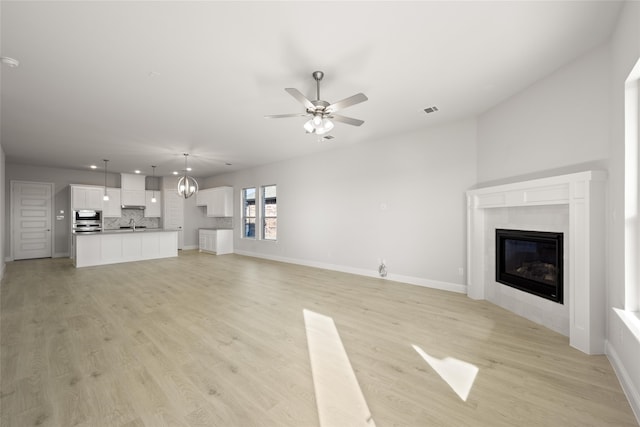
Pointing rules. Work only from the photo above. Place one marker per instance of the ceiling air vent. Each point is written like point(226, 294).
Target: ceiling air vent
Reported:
point(431, 109)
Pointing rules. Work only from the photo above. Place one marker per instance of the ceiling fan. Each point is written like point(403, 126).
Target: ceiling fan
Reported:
point(322, 113)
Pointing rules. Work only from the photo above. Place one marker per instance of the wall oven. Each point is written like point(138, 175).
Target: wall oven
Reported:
point(87, 221)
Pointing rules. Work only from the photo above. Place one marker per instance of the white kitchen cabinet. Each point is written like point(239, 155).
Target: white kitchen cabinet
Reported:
point(111, 208)
point(153, 209)
point(218, 200)
point(86, 197)
point(110, 248)
point(218, 242)
point(203, 196)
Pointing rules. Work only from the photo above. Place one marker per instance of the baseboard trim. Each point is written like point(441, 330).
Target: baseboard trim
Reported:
point(418, 281)
point(633, 396)
point(61, 255)
point(189, 248)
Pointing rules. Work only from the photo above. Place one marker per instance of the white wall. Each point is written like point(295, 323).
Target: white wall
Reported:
point(623, 347)
point(195, 217)
point(61, 178)
point(3, 228)
point(559, 123)
point(574, 120)
point(401, 200)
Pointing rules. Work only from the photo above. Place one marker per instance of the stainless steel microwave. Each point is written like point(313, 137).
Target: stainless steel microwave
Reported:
point(87, 215)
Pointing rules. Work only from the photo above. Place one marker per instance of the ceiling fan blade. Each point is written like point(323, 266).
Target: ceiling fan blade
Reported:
point(347, 120)
point(281, 116)
point(347, 102)
point(300, 97)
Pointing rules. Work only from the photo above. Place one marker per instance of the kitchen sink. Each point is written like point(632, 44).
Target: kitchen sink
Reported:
point(126, 230)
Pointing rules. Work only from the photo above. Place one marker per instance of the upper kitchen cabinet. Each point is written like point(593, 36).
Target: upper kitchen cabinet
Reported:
point(218, 200)
point(86, 197)
point(133, 192)
point(112, 208)
point(153, 209)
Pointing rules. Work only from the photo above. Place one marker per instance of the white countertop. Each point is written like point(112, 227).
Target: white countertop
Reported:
point(125, 231)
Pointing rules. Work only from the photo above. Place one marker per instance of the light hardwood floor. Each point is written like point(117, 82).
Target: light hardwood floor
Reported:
point(200, 340)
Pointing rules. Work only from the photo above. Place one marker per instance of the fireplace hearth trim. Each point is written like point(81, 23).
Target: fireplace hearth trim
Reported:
point(584, 193)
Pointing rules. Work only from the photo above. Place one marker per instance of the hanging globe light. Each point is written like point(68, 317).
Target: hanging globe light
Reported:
point(187, 185)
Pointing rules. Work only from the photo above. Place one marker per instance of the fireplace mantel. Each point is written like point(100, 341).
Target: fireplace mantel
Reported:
point(584, 193)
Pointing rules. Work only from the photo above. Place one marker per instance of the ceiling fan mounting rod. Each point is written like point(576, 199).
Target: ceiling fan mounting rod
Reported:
point(318, 75)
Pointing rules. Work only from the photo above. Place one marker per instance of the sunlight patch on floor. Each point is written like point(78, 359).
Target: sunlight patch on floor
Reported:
point(338, 396)
point(458, 374)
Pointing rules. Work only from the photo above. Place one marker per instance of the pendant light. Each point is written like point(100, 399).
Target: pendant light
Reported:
point(187, 185)
point(153, 196)
point(106, 196)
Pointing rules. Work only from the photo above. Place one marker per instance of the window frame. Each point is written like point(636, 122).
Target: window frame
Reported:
point(632, 191)
point(263, 213)
point(244, 216)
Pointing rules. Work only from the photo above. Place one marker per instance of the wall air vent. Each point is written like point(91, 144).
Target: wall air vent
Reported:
point(431, 109)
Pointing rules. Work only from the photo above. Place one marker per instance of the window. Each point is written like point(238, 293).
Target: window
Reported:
point(249, 213)
point(632, 190)
point(269, 213)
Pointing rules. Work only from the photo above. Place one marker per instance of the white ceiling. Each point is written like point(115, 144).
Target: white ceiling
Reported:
point(140, 83)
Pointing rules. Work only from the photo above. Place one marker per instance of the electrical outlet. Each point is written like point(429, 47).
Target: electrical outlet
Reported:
point(382, 270)
point(461, 271)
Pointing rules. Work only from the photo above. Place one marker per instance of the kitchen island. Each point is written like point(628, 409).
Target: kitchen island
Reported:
point(112, 247)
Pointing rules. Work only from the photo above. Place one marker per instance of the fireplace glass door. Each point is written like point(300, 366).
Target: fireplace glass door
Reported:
point(531, 261)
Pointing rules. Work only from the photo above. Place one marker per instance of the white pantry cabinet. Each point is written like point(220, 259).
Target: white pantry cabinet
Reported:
point(218, 242)
point(86, 197)
point(218, 200)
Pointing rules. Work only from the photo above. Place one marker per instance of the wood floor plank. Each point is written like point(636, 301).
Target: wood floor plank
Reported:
point(203, 340)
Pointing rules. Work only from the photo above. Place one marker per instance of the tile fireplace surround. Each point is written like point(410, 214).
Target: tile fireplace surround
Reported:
point(573, 204)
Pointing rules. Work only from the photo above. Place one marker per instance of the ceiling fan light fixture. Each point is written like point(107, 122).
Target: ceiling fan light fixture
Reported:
point(11, 62)
point(308, 126)
point(319, 110)
point(327, 125)
point(318, 125)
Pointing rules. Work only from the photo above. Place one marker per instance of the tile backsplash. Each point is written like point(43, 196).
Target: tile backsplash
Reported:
point(128, 214)
point(223, 223)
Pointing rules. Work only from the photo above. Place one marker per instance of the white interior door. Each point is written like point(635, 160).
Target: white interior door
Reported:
point(31, 219)
point(173, 218)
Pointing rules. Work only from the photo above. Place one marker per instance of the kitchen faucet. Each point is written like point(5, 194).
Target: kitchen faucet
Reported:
point(133, 222)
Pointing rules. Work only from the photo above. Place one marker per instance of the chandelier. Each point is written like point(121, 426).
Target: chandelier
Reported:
point(187, 185)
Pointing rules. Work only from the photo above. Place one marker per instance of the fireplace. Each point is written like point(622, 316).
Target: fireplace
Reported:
point(531, 261)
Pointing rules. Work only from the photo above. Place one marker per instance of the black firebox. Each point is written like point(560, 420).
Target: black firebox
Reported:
point(531, 261)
